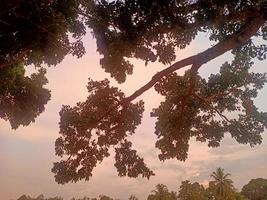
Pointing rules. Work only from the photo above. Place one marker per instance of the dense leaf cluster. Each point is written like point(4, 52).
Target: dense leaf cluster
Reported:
point(193, 191)
point(91, 128)
point(22, 98)
point(256, 189)
point(36, 31)
point(152, 30)
point(195, 107)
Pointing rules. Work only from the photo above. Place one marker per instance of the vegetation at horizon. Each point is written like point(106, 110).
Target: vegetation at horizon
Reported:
point(221, 187)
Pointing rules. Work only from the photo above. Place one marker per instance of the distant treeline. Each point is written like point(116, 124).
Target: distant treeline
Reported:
point(221, 187)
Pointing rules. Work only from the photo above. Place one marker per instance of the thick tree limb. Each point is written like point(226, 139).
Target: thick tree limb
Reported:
point(197, 60)
point(233, 42)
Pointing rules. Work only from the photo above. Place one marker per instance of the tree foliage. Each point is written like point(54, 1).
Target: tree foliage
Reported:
point(44, 32)
point(192, 191)
point(162, 193)
point(34, 32)
point(22, 98)
point(193, 106)
point(256, 189)
point(40, 197)
point(221, 188)
point(133, 197)
point(112, 131)
point(37, 31)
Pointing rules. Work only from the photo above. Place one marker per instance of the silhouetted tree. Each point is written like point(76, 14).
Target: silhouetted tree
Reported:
point(39, 31)
point(40, 197)
point(192, 191)
point(222, 186)
point(43, 32)
point(34, 32)
point(162, 193)
point(193, 106)
point(22, 98)
point(256, 189)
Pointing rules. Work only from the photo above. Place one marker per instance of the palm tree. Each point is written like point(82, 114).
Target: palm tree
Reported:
point(222, 185)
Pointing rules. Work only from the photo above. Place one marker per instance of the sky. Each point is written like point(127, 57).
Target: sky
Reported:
point(27, 154)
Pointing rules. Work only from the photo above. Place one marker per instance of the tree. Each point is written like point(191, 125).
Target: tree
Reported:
point(133, 197)
point(192, 191)
point(193, 106)
point(104, 197)
point(24, 197)
point(231, 195)
point(22, 98)
point(239, 196)
point(222, 186)
point(40, 197)
point(36, 31)
point(101, 197)
point(220, 189)
point(84, 198)
point(33, 32)
point(149, 30)
point(256, 189)
point(162, 193)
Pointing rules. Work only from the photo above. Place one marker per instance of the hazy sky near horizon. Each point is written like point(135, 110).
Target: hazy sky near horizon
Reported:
point(27, 154)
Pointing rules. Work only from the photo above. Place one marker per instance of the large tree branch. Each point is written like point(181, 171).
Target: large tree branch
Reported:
point(198, 60)
point(232, 42)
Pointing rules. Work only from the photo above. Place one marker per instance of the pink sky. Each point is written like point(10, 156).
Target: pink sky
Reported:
point(27, 154)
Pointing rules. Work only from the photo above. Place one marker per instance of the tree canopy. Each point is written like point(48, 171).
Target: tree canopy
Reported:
point(22, 98)
point(34, 32)
point(256, 189)
point(44, 32)
point(192, 191)
point(162, 193)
